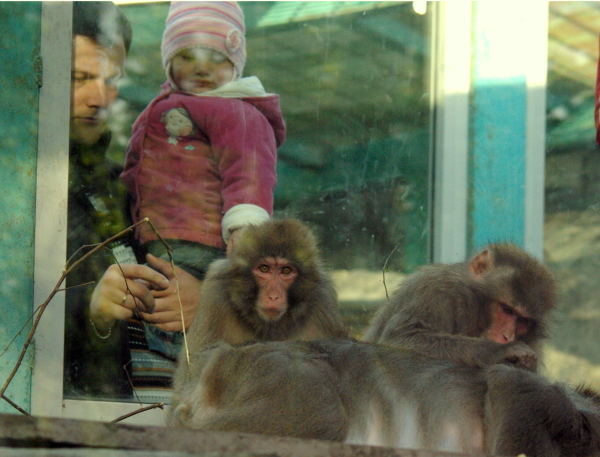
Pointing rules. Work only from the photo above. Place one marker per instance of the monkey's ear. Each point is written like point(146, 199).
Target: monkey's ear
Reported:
point(482, 263)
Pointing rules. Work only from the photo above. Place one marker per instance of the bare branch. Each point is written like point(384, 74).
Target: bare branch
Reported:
point(78, 285)
point(169, 251)
point(43, 306)
point(131, 384)
point(66, 270)
point(385, 269)
point(34, 313)
point(138, 411)
point(14, 405)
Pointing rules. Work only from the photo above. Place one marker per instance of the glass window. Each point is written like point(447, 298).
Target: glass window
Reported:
point(356, 165)
point(572, 213)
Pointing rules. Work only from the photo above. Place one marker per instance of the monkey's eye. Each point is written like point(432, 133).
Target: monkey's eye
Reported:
point(526, 322)
point(508, 310)
point(264, 268)
point(287, 270)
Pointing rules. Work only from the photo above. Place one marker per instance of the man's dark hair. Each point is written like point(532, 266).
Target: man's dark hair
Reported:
point(103, 22)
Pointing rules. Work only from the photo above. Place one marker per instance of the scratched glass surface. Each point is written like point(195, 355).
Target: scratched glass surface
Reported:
point(353, 78)
point(572, 211)
point(354, 82)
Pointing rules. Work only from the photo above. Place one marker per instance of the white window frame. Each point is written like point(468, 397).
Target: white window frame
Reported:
point(451, 54)
point(451, 85)
point(453, 40)
point(51, 231)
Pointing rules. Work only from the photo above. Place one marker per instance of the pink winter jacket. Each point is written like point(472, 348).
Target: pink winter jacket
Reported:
point(192, 158)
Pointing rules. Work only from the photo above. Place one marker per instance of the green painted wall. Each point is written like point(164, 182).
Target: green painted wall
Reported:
point(19, 54)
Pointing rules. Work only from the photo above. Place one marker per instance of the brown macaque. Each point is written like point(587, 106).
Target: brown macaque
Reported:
point(490, 309)
point(272, 287)
point(363, 393)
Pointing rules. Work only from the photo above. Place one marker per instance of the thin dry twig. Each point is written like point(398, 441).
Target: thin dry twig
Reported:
point(128, 290)
point(14, 405)
point(157, 405)
point(34, 313)
point(66, 270)
point(138, 411)
point(187, 352)
point(18, 333)
point(131, 384)
point(385, 269)
point(169, 251)
point(43, 306)
point(78, 285)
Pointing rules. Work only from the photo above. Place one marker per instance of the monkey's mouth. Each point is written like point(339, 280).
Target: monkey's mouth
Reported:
point(271, 314)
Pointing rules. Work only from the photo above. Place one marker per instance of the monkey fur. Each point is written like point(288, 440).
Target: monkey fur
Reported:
point(366, 393)
point(362, 393)
point(444, 310)
point(228, 304)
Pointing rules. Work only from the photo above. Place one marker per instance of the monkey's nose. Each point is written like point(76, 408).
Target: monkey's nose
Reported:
point(509, 337)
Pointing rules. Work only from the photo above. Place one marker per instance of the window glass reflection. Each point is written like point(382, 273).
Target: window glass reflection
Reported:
point(353, 78)
point(571, 239)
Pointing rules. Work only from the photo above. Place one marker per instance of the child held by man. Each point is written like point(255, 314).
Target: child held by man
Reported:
point(201, 160)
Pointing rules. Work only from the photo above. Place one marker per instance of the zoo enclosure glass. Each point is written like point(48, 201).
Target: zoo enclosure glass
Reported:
point(354, 81)
point(572, 217)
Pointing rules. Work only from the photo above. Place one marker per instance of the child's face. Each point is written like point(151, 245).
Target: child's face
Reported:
point(199, 70)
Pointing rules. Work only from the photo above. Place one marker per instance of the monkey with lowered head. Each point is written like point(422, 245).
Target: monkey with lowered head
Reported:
point(489, 309)
point(272, 287)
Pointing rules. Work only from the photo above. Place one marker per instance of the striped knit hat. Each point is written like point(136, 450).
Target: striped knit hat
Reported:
point(212, 25)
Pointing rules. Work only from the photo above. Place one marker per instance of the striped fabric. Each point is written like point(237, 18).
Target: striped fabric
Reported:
point(152, 371)
point(213, 25)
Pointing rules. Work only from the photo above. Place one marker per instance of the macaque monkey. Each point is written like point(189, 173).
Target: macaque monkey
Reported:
point(487, 310)
point(363, 393)
point(272, 287)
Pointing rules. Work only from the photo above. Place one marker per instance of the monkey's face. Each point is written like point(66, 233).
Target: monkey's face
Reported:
point(512, 295)
point(508, 323)
point(274, 276)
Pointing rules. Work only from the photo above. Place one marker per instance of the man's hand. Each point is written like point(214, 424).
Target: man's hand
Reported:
point(122, 289)
point(167, 313)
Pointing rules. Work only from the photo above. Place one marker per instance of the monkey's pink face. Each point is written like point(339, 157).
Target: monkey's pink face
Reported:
point(508, 323)
point(274, 277)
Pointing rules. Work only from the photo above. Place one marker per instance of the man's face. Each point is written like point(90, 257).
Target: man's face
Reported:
point(96, 71)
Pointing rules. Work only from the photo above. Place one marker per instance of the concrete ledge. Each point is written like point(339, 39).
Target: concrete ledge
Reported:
point(95, 438)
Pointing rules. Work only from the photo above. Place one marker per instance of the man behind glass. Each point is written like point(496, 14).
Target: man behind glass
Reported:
point(98, 342)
